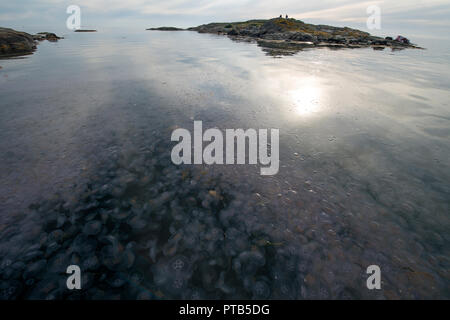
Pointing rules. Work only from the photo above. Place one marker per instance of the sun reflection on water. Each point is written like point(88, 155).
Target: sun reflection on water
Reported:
point(306, 98)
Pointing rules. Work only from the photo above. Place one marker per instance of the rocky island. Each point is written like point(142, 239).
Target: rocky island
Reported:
point(14, 42)
point(286, 36)
point(166, 29)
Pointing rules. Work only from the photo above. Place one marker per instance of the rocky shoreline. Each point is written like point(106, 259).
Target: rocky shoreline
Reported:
point(14, 42)
point(291, 35)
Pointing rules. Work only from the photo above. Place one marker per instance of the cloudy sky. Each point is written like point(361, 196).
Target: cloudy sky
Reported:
point(421, 17)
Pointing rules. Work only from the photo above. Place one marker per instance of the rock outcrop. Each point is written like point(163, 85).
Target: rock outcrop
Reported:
point(292, 34)
point(165, 29)
point(46, 36)
point(14, 42)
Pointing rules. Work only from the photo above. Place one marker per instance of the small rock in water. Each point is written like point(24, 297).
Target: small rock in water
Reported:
point(248, 263)
point(56, 236)
point(261, 290)
point(18, 265)
point(92, 228)
point(10, 290)
point(32, 255)
point(136, 279)
point(58, 264)
point(137, 223)
point(153, 250)
point(35, 269)
point(117, 281)
point(110, 257)
point(60, 221)
point(52, 248)
point(128, 259)
point(121, 214)
point(145, 295)
point(92, 263)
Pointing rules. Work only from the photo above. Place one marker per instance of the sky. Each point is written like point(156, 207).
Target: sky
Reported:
point(429, 18)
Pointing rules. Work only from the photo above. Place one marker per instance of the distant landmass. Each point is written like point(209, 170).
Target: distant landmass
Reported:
point(166, 29)
point(292, 35)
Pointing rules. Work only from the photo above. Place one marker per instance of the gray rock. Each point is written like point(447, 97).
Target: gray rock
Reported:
point(117, 281)
point(58, 264)
point(33, 255)
point(111, 257)
point(233, 32)
point(10, 290)
point(52, 248)
point(15, 42)
point(92, 263)
point(18, 265)
point(92, 228)
point(35, 269)
point(302, 36)
point(56, 236)
point(261, 290)
point(49, 36)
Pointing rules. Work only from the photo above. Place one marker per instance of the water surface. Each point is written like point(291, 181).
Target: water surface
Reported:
point(364, 146)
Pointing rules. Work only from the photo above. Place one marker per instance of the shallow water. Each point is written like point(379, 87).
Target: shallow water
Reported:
point(364, 145)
